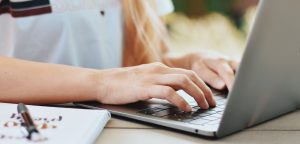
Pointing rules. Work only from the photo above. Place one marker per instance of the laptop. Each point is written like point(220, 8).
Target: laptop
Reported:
point(267, 84)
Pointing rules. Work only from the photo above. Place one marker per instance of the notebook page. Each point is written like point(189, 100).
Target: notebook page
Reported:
point(58, 125)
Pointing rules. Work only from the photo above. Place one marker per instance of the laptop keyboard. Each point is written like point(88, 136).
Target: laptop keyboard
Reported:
point(197, 116)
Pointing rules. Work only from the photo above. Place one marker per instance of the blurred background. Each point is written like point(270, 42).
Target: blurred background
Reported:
point(211, 25)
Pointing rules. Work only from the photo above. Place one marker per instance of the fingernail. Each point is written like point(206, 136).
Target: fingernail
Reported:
point(220, 83)
point(213, 102)
point(206, 105)
point(188, 108)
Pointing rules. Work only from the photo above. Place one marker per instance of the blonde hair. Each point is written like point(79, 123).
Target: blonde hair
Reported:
point(145, 34)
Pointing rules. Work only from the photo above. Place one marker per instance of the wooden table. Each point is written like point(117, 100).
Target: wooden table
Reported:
point(284, 130)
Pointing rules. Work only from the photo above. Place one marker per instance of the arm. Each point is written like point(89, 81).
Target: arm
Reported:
point(41, 83)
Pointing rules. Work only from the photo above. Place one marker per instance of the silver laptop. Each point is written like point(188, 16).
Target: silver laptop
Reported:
point(267, 84)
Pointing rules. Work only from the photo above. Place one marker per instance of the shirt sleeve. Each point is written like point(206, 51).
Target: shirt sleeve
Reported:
point(165, 7)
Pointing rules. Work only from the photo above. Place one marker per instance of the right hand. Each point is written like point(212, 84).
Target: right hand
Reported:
point(156, 80)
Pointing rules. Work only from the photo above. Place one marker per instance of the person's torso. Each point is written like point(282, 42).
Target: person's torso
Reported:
point(72, 32)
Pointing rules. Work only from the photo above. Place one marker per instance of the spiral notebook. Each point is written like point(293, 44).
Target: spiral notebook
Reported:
point(58, 125)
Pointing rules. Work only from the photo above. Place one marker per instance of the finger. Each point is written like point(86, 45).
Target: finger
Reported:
point(209, 76)
point(227, 74)
point(199, 82)
point(234, 65)
point(169, 94)
point(223, 69)
point(180, 81)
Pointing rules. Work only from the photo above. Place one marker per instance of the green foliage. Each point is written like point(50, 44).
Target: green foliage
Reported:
point(180, 6)
point(196, 8)
point(204, 6)
point(222, 6)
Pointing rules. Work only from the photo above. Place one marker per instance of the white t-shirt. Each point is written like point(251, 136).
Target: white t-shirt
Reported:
point(84, 33)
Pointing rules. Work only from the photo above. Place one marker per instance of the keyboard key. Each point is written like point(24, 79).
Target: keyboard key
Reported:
point(192, 103)
point(217, 109)
point(183, 116)
point(217, 115)
point(219, 104)
point(150, 111)
point(196, 107)
point(222, 106)
point(167, 112)
point(203, 114)
point(210, 112)
point(218, 98)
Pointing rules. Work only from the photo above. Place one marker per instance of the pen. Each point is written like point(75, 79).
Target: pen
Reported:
point(32, 132)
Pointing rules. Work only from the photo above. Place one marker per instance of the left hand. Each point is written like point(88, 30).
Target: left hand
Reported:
point(216, 70)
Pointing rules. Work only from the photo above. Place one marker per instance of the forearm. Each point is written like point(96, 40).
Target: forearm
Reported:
point(40, 83)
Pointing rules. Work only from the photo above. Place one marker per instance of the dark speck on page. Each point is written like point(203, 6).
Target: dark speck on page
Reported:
point(102, 13)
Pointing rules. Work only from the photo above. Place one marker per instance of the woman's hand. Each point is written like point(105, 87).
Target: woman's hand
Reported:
point(156, 80)
point(215, 70)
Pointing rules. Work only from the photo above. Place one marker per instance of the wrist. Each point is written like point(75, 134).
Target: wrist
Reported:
point(96, 87)
point(83, 84)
